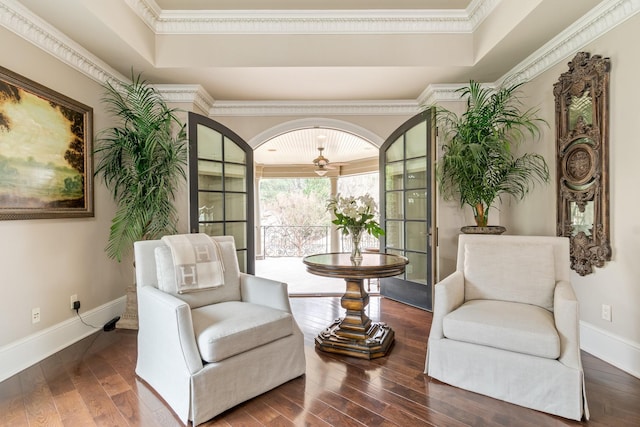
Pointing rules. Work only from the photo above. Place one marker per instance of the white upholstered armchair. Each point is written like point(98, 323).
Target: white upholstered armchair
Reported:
point(207, 351)
point(505, 324)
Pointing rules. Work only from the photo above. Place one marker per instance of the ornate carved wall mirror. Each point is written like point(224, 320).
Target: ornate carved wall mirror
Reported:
point(582, 144)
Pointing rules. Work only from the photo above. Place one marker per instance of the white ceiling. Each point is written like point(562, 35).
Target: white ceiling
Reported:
point(300, 147)
point(311, 50)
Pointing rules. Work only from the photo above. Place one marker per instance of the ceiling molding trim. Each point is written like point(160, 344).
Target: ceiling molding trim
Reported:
point(194, 94)
point(606, 16)
point(21, 21)
point(312, 21)
point(478, 10)
point(436, 93)
point(147, 11)
point(601, 19)
point(306, 108)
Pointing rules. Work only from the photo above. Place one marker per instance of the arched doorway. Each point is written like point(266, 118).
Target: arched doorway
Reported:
point(297, 170)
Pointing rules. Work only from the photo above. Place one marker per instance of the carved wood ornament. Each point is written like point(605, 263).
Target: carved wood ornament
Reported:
point(582, 143)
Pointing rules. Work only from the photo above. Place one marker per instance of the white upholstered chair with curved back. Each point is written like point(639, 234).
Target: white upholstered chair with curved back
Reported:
point(505, 324)
point(207, 351)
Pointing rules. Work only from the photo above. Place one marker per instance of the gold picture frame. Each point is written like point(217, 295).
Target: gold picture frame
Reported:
point(46, 166)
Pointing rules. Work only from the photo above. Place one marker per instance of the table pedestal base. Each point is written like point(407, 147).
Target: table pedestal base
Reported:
point(379, 338)
point(354, 334)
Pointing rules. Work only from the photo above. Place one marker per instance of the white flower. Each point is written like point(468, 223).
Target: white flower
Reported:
point(355, 212)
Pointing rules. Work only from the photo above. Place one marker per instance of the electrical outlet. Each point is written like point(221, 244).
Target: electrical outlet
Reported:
point(73, 299)
point(35, 315)
point(606, 312)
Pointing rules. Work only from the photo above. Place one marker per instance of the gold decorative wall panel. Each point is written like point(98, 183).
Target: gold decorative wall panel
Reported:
point(582, 142)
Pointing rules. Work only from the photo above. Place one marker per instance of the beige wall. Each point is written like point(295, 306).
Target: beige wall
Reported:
point(618, 283)
point(45, 261)
point(450, 216)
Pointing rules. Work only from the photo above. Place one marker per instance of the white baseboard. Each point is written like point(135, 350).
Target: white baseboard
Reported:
point(19, 355)
point(615, 350)
point(30, 350)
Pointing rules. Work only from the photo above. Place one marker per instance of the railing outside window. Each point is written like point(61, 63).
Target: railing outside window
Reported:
point(299, 241)
point(366, 242)
point(294, 241)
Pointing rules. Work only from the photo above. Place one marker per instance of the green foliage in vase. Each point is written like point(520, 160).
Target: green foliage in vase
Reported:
point(355, 212)
point(478, 163)
point(142, 163)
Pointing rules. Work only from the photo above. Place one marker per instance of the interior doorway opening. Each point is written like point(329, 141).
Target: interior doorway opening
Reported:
point(294, 223)
point(291, 193)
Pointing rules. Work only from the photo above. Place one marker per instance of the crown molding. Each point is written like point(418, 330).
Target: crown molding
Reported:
point(598, 21)
point(606, 16)
point(311, 21)
point(21, 21)
point(435, 93)
point(601, 19)
point(305, 108)
point(478, 10)
point(192, 94)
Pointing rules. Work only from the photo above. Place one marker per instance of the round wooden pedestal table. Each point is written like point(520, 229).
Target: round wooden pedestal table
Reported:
point(355, 334)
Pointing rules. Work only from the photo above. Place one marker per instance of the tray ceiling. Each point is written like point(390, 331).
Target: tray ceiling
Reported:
point(322, 52)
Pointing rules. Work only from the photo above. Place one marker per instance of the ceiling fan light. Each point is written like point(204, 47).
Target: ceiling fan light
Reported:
point(321, 172)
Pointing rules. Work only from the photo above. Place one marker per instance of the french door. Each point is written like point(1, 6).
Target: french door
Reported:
point(221, 186)
point(222, 198)
point(407, 209)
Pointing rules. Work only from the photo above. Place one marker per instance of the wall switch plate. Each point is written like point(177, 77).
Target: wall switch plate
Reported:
point(35, 315)
point(73, 299)
point(606, 312)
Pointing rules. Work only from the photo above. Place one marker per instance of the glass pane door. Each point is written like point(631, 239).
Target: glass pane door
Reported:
point(221, 186)
point(408, 209)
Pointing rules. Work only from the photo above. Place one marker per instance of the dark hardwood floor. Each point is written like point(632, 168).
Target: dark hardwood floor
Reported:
point(93, 383)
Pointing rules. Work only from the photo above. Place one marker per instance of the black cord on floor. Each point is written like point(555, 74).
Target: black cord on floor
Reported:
point(82, 320)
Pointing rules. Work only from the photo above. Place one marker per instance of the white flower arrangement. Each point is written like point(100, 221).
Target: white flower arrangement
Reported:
point(355, 212)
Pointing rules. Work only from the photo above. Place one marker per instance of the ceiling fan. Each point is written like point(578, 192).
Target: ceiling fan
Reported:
point(321, 163)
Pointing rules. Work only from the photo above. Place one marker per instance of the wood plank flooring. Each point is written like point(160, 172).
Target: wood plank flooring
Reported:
point(92, 383)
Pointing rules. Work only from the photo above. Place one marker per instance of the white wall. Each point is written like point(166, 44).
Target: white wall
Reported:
point(618, 283)
point(45, 261)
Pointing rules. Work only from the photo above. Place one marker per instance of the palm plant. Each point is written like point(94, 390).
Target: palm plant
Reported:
point(142, 163)
point(478, 163)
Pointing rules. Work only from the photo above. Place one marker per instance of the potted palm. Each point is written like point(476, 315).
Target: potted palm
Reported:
point(142, 163)
point(479, 163)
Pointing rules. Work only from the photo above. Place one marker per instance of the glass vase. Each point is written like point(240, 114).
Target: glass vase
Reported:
point(356, 251)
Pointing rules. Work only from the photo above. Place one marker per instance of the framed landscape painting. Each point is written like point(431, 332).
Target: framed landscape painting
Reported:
point(45, 152)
